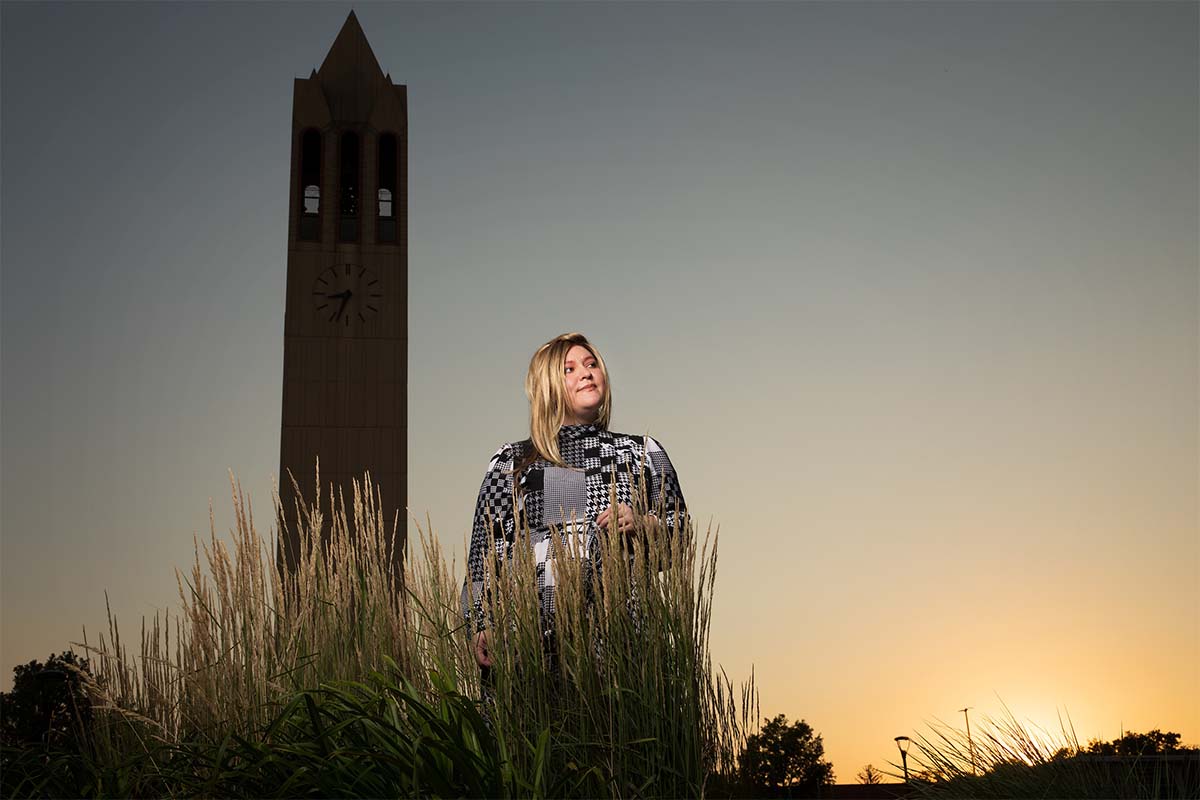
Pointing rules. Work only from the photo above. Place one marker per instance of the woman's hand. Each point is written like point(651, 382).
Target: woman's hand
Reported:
point(626, 519)
point(483, 654)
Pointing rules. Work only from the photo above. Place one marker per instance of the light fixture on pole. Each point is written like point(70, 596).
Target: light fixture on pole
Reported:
point(970, 746)
point(902, 742)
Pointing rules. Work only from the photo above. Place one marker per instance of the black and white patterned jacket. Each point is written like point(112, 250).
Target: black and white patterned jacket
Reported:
point(569, 500)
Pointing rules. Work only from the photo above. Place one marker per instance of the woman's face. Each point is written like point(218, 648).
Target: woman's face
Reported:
point(585, 386)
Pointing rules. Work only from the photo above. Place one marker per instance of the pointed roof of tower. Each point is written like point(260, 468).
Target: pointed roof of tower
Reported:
point(350, 75)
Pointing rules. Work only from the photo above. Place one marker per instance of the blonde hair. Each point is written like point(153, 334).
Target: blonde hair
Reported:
point(546, 388)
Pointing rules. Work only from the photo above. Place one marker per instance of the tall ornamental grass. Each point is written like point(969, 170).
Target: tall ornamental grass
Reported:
point(340, 677)
point(625, 684)
point(1002, 758)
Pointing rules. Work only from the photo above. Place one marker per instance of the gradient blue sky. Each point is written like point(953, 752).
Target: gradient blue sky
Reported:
point(908, 291)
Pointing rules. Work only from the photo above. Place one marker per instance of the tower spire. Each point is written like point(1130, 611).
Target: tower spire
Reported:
point(350, 74)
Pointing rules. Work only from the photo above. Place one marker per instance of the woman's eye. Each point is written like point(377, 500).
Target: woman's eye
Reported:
point(567, 369)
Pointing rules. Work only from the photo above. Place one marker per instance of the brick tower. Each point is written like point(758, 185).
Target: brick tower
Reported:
point(345, 342)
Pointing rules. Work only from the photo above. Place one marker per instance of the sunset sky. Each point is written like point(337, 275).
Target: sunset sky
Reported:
point(909, 292)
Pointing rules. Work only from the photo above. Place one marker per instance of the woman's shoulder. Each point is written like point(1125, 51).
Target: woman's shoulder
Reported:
point(626, 439)
point(509, 453)
point(645, 442)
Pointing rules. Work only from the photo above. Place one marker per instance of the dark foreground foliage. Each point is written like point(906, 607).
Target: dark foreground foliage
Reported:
point(372, 739)
point(378, 738)
point(1082, 776)
point(1004, 759)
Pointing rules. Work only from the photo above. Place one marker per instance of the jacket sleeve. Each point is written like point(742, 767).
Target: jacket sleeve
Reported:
point(491, 534)
point(666, 498)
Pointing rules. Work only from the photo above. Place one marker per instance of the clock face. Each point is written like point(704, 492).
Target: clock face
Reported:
point(347, 294)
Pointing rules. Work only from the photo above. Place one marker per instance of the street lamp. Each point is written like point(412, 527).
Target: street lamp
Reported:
point(902, 742)
point(970, 746)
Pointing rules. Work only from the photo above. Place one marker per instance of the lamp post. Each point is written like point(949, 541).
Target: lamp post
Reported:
point(902, 742)
point(970, 746)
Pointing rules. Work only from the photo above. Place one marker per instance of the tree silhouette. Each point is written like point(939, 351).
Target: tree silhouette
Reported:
point(870, 775)
point(48, 705)
point(785, 760)
point(1137, 744)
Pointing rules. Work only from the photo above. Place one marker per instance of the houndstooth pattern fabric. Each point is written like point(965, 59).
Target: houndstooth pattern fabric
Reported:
point(635, 468)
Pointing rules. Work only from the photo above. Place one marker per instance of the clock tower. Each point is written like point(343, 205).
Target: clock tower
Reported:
point(345, 338)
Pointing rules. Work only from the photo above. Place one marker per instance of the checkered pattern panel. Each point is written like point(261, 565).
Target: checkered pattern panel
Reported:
point(665, 495)
point(564, 496)
point(494, 529)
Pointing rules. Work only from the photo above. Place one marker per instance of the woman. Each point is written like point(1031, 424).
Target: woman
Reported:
point(563, 476)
